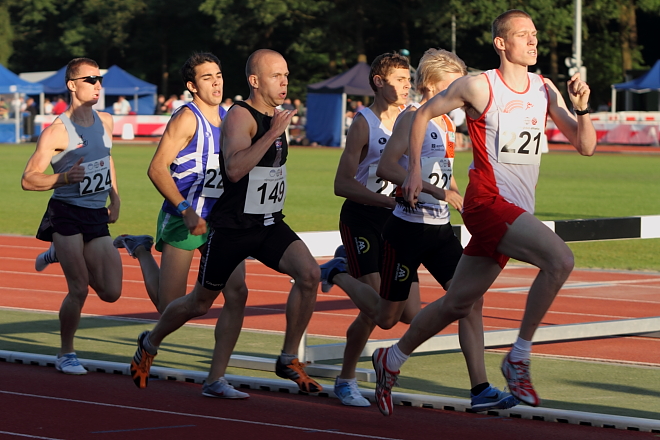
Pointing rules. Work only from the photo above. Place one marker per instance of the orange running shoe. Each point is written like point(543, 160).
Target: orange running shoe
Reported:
point(141, 363)
point(296, 372)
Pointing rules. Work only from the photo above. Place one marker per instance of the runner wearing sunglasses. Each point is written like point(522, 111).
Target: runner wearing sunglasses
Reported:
point(78, 145)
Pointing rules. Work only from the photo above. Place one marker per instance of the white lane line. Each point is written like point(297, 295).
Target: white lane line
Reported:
point(201, 416)
point(16, 434)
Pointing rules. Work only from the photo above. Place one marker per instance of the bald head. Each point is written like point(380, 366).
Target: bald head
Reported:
point(258, 59)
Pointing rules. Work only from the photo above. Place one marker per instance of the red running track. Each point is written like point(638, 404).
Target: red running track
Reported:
point(588, 296)
point(40, 403)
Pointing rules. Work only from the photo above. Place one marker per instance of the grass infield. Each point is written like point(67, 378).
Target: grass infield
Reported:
point(570, 187)
point(623, 390)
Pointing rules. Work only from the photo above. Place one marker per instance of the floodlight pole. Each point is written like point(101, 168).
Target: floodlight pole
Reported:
point(577, 40)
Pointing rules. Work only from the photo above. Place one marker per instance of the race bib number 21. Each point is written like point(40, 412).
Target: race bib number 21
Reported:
point(520, 142)
point(97, 176)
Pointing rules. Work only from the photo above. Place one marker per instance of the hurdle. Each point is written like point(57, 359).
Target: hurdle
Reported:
point(323, 244)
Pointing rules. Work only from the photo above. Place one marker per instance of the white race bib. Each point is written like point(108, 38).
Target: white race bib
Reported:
point(378, 184)
point(213, 186)
point(521, 139)
point(437, 171)
point(266, 190)
point(97, 176)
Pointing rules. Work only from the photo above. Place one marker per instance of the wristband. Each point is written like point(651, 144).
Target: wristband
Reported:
point(581, 112)
point(183, 206)
point(66, 179)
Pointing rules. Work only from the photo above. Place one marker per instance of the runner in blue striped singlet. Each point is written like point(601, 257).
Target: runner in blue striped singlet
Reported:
point(185, 170)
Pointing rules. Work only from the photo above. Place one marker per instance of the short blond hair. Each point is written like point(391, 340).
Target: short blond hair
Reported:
point(434, 65)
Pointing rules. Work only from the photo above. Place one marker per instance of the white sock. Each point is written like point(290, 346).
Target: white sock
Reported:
point(521, 350)
point(342, 380)
point(395, 358)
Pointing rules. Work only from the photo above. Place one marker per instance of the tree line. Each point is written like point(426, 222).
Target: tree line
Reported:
point(319, 38)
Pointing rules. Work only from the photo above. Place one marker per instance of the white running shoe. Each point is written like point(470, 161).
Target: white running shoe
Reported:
point(44, 259)
point(349, 394)
point(221, 388)
point(69, 364)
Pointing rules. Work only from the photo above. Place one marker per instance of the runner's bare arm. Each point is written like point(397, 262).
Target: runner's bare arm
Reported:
point(180, 130)
point(240, 155)
point(579, 130)
point(52, 141)
point(115, 201)
point(357, 141)
point(178, 133)
point(457, 95)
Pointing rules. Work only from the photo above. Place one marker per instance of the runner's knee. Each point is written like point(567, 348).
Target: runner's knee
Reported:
point(308, 277)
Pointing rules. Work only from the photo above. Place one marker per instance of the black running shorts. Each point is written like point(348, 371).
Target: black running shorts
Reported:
point(68, 220)
point(361, 229)
point(407, 246)
point(227, 247)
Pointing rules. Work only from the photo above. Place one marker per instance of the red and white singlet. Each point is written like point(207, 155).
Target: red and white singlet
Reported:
point(507, 141)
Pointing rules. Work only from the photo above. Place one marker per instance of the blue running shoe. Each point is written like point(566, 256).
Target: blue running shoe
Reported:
point(492, 398)
point(132, 242)
point(340, 252)
point(329, 270)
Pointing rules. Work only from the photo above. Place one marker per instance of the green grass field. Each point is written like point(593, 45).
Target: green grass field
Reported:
point(570, 187)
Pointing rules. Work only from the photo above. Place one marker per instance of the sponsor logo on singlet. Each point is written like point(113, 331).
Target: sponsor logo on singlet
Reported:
point(382, 141)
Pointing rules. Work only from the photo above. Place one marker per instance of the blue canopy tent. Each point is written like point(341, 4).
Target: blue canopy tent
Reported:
point(10, 83)
point(116, 82)
point(54, 84)
point(648, 82)
point(326, 104)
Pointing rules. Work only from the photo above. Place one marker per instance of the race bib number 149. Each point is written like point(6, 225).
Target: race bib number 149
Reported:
point(266, 190)
point(97, 176)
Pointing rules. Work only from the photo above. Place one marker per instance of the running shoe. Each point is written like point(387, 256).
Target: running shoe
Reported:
point(385, 380)
point(519, 380)
point(492, 398)
point(221, 389)
point(329, 270)
point(349, 394)
point(141, 363)
point(296, 372)
point(46, 258)
point(69, 364)
point(132, 242)
point(340, 252)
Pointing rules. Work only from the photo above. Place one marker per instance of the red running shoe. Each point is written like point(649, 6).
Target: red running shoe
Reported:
point(385, 380)
point(519, 381)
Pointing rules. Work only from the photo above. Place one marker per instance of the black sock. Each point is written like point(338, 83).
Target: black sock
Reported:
point(479, 388)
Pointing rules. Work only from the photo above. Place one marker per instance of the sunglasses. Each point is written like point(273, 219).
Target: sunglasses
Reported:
point(93, 79)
